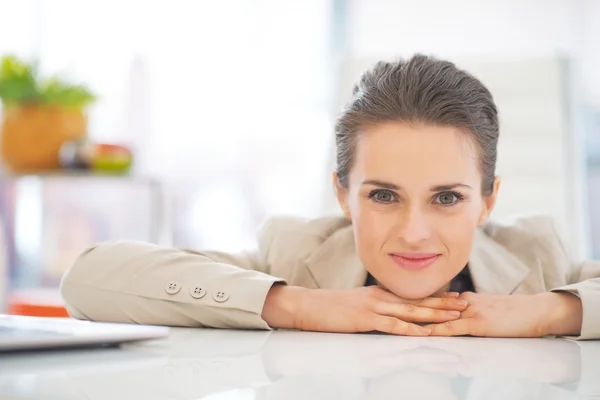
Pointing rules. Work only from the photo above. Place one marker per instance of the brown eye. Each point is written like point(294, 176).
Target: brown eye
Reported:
point(382, 196)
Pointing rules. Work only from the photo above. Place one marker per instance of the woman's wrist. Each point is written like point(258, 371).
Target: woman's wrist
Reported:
point(564, 313)
point(281, 306)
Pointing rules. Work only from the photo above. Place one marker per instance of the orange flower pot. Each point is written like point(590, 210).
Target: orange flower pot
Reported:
point(32, 136)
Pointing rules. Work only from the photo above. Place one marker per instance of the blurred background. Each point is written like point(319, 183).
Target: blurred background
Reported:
point(208, 116)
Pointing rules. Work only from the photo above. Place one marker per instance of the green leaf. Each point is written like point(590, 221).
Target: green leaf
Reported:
point(20, 84)
point(55, 91)
point(17, 81)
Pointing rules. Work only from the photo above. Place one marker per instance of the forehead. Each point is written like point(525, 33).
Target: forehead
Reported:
point(408, 154)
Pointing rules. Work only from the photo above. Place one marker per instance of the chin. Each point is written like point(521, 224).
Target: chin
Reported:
point(413, 293)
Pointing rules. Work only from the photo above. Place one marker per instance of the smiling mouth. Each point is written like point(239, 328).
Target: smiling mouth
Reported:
point(414, 261)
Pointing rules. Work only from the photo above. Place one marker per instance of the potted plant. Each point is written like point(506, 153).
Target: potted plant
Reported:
point(38, 116)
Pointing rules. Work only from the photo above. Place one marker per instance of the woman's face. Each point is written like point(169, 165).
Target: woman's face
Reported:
point(414, 198)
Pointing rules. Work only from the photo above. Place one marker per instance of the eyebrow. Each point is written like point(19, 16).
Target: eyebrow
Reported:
point(392, 186)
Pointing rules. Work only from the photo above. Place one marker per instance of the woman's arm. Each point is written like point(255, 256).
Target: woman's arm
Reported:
point(137, 282)
point(580, 297)
point(142, 283)
point(564, 313)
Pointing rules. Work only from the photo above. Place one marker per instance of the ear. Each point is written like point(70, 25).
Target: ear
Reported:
point(489, 202)
point(341, 194)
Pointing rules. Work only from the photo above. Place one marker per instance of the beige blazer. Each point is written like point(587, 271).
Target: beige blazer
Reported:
point(143, 283)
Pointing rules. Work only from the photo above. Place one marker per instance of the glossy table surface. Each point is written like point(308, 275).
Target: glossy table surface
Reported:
point(219, 364)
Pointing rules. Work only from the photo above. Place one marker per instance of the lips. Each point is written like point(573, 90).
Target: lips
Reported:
point(414, 261)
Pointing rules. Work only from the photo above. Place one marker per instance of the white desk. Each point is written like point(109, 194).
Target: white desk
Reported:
point(219, 364)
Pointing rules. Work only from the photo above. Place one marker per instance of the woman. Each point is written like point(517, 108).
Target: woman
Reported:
point(413, 255)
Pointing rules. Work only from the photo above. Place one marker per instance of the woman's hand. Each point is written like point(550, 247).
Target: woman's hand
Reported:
point(515, 316)
point(362, 309)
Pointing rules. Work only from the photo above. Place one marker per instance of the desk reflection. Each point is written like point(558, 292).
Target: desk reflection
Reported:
point(383, 367)
point(218, 364)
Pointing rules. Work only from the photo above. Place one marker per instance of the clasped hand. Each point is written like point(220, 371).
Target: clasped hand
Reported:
point(372, 308)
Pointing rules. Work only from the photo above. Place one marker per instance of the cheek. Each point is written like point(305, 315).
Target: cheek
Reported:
point(457, 222)
point(372, 226)
point(455, 234)
point(456, 231)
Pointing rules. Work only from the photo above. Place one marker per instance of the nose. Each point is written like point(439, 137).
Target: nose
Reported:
point(414, 226)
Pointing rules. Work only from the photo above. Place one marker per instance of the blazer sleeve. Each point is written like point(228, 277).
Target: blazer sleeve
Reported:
point(137, 282)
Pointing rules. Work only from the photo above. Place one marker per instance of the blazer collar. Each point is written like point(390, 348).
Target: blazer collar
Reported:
point(336, 265)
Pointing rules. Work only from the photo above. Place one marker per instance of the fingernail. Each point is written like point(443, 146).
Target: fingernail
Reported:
point(455, 314)
point(452, 294)
point(462, 303)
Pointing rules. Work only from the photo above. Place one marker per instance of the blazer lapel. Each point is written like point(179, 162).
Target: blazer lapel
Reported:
point(493, 268)
point(335, 264)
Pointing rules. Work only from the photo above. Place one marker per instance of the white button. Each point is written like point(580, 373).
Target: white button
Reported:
point(173, 287)
point(198, 292)
point(220, 297)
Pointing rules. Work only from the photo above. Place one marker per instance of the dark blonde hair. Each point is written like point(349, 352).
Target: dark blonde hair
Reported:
point(426, 90)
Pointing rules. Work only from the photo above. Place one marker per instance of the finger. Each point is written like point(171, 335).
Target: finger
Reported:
point(412, 313)
point(396, 326)
point(446, 295)
point(441, 303)
point(459, 327)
